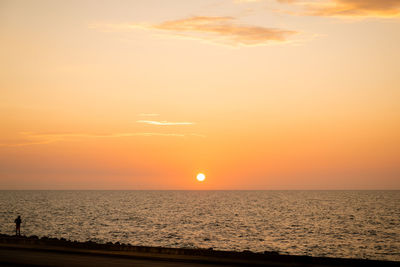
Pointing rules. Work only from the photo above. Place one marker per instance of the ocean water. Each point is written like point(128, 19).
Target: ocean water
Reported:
point(351, 224)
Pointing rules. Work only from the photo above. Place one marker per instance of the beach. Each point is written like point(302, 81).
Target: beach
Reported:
point(34, 251)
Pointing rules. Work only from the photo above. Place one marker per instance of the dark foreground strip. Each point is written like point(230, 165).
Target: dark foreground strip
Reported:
point(198, 256)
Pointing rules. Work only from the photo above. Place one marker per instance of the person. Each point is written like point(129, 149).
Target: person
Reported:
point(18, 222)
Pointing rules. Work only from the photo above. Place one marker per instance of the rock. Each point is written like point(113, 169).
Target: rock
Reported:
point(271, 253)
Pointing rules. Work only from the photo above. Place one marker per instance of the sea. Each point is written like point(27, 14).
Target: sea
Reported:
point(346, 224)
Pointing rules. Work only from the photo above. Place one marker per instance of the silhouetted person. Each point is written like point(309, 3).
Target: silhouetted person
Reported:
point(18, 222)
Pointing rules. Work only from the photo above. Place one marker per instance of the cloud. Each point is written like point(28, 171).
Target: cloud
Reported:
point(349, 8)
point(24, 142)
point(224, 30)
point(164, 123)
point(29, 138)
point(246, 1)
point(112, 135)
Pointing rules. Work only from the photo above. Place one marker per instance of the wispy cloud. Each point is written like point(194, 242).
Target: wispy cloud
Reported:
point(224, 30)
point(348, 8)
point(246, 1)
point(30, 138)
point(24, 142)
point(342, 8)
point(88, 135)
point(165, 123)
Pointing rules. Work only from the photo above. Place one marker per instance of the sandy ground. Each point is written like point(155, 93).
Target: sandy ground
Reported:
point(28, 255)
point(13, 257)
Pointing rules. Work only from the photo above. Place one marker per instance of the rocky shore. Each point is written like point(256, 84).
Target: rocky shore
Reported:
point(52, 246)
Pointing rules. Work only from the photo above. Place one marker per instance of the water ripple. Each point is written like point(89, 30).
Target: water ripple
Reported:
point(354, 224)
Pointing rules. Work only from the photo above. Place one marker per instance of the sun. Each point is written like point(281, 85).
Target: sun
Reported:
point(200, 177)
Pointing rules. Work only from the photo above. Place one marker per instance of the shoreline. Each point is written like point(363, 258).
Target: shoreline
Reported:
point(63, 249)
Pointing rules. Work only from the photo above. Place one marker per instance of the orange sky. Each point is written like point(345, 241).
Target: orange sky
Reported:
point(268, 94)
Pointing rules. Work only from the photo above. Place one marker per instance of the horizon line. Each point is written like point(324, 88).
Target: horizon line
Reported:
point(200, 189)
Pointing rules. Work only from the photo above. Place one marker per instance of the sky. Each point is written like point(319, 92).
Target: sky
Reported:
point(143, 95)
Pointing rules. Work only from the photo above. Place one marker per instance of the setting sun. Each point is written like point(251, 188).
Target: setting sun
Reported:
point(190, 95)
point(200, 177)
point(112, 113)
